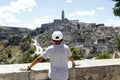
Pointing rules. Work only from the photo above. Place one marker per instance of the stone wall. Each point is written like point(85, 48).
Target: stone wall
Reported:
point(89, 70)
point(111, 72)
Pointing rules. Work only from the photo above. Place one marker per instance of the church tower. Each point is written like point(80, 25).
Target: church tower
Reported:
point(62, 16)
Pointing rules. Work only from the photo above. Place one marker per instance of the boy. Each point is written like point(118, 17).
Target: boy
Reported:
point(59, 54)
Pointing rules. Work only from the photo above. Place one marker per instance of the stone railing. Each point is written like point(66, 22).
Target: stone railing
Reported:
point(89, 70)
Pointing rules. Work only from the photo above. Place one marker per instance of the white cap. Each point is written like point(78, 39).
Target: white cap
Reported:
point(57, 35)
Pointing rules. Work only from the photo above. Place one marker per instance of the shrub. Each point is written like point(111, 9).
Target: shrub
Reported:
point(118, 42)
point(24, 47)
point(104, 55)
point(14, 40)
point(76, 52)
point(26, 58)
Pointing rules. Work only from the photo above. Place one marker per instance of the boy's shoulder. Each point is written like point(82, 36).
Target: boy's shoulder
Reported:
point(65, 46)
point(50, 47)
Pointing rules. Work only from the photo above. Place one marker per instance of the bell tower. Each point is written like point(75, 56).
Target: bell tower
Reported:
point(63, 15)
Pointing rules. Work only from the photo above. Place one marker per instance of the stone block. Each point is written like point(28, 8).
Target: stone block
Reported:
point(72, 73)
point(38, 75)
point(14, 76)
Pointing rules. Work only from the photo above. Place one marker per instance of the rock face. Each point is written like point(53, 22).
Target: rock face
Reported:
point(6, 32)
point(92, 38)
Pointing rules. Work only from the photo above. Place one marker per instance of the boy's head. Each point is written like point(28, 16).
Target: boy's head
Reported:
point(57, 37)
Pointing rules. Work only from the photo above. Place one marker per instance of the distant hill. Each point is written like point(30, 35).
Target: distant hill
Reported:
point(6, 31)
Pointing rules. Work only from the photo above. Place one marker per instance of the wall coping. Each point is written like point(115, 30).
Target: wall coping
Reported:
point(14, 68)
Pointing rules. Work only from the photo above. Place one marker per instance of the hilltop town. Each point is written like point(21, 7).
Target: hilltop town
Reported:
point(91, 37)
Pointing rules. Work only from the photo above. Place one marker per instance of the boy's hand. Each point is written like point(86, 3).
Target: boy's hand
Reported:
point(77, 65)
point(25, 69)
point(73, 65)
point(28, 68)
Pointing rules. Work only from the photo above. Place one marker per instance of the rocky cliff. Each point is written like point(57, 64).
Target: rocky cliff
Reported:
point(6, 31)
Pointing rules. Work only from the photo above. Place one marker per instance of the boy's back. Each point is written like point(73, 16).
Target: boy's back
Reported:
point(58, 55)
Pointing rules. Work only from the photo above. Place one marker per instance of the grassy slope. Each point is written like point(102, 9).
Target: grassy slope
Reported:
point(15, 52)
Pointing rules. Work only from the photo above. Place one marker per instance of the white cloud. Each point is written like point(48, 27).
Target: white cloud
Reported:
point(69, 1)
point(9, 17)
point(19, 6)
point(7, 13)
point(83, 13)
point(2, 23)
point(37, 22)
point(40, 21)
point(111, 22)
point(100, 8)
point(28, 25)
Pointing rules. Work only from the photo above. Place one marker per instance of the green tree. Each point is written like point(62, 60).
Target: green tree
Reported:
point(116, 9)
point(8, 52)
point(104, 55)
point(26, 39)
point(118, 42)
point(26, 58)
point(14, 40)
point(6, 56)
point(76, 52)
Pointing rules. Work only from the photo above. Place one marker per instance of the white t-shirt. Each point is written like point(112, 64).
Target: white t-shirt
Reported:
point(58, 55)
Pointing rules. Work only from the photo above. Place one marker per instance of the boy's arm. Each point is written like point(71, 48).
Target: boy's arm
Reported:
point(72, 61)
point(38, 59)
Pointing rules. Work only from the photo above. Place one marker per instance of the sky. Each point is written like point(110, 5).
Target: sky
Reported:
point(32, 13)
